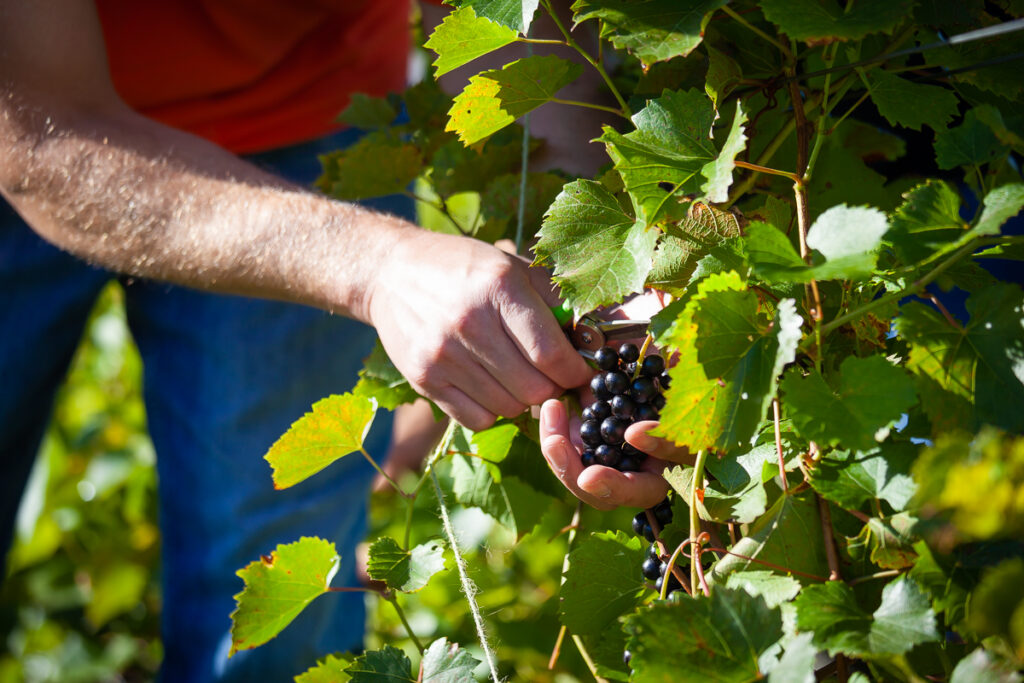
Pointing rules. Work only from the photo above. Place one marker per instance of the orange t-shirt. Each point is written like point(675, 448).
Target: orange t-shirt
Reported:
point(252, 75)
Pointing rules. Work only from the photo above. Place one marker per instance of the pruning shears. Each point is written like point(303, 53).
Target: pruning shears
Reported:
point(590, 332)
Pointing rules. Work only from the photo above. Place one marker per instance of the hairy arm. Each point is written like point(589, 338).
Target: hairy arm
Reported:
point(466, 323)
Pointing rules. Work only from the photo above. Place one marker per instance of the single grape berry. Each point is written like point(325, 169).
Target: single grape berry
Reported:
point(664, 380)
point(600, 410)
point(658, 401)
point(622, 406)
point(617, 382)
point(606, 455)
point(587, 414)
point(663, 512)
point(652, 551)
point(590, 432)
point(639, 521)
point(606, 358)
point(650, 569)
point(629, 353)
point(597, 386)
point(613, 430)
point(629, 464)
point(587, 458)
point(643, 390)
point(653, 366)
point(645, 411)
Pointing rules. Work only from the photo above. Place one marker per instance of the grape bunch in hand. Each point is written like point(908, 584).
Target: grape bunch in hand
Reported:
point(624, 393)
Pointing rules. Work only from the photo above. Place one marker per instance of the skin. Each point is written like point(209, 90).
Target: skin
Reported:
point(467, 324)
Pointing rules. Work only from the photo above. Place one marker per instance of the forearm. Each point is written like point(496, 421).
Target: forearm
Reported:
point(140, 198)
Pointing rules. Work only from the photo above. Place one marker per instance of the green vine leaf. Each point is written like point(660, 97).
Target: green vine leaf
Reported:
point(381, 381)
point(816, 21)
point(890, 541)
point(368, 113)
point(973, 374)
point(463, 36)
point(496, 98)
point(852, 478)
point(719, 171)
point(723, 75)
point(515, 14)
point(598, 252)
point(722, 641)
point(927, 221)
point(336, 427)
point(445, 662)
point(404, 570)
point(387, 665)
point(1001, 204)
point(737, 494)
point(774, 588)
point(849, 238)
point(513, 503)
point(278, 588)
point(730, 354)
point(852, 409)
point(911, 105)
point(378, 165)
point(903, 620)
point(796, 665)
point(330, 669)
point(653, 30)
point(602, 582)
point(662, 160)
point(972, 142)
point(788, 535)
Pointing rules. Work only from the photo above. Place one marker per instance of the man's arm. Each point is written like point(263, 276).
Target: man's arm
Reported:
point(466, 323)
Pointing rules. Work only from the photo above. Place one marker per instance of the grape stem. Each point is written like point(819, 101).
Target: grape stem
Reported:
point(682, 578)
point(696, 486)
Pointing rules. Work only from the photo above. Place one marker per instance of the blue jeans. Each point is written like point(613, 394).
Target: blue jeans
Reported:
point(224, 377)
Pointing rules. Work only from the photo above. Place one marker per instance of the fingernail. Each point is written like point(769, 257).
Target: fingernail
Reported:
point(601, 491)
point(559, 460)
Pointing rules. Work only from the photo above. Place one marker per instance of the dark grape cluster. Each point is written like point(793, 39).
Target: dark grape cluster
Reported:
point(654, 565)
point(622, 396)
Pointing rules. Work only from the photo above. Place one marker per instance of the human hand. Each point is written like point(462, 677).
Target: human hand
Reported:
point(470, 327)
point(602, 487)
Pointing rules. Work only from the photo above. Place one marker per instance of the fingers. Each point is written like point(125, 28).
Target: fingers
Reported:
point(601, 487)
point(662, 449)
point(532, 327)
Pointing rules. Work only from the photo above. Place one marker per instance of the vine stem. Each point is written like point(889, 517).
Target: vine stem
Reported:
point(589, 105)
point(469, 589)
point(888, 574)
point(394, 484)
point(696, 486)
point(766, 169)
point(571, 42)
point(681, 576)
point(405, 622)
point(830, 544)
point(574, 524)
point(767, 564)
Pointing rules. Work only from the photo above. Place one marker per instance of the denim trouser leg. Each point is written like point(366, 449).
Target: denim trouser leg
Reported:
point(224, 377)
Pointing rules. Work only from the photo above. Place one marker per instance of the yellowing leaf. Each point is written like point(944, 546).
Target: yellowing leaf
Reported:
point(278, 588)
point(335, 428)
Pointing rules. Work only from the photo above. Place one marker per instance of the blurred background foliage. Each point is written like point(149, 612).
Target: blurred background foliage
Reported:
point(81, 599)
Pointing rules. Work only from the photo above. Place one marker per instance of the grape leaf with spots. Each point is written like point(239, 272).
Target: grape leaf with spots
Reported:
point(494, 99)
point(598, 252)
point(730, 353)
point(278, 588)
point(336, 427)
